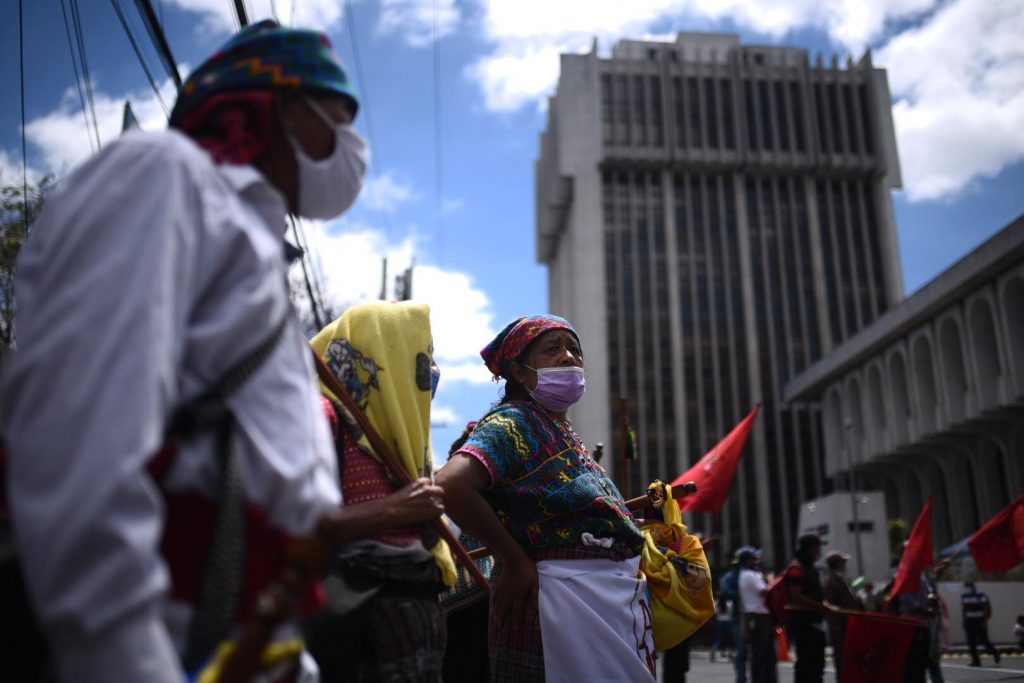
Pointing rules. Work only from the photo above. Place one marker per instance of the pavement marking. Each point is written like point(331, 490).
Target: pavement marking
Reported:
point(993, 669)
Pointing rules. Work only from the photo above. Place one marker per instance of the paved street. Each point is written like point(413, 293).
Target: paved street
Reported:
point(954, 669)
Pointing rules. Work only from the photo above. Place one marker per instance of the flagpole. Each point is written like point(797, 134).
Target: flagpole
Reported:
point(624, 411)
point(847, 428)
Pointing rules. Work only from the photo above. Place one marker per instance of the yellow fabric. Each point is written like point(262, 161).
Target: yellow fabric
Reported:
point(381, 353)
point(680, 604)
point(274, 654)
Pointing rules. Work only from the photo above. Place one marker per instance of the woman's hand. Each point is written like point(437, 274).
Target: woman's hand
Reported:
point(514, 597)
point(419, 501)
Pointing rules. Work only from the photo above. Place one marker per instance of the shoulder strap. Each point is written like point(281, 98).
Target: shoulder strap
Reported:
point(209, 409)
point(221, 584)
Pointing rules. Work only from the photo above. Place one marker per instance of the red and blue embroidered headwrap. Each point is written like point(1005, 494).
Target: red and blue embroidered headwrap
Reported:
point(517, 336)
point(225, 105)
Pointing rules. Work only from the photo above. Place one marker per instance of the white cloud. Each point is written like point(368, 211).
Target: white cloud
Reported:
point(218, 16)
point(959, 85)
point(419, 22)
point(523, 66)
point(11, 170)
point(385, 193)
point(452, 205)
point(460, 312)
point(442, 416)
point(62, 138)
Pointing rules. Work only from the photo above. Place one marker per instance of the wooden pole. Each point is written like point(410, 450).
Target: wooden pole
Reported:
point(394, 466)
point(638, 503)
point(625, 475)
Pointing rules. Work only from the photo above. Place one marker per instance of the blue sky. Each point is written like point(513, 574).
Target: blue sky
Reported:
point(956, 71)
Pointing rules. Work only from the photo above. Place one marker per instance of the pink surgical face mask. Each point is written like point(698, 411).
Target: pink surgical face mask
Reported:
point(558, 388)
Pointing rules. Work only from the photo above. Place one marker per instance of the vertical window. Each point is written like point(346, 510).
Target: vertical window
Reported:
point(728, 117)
point(658, 124)
point(693, 105)
point(823, 122)
point(783, 116)
point(621, 111)
point(865, 112)
point(679, 110)
point(711, 109)
point(751, 122)
point(766, 114)
point(797, 104)
point(852, 120)
point(606, 109)
point(639, 111)
point(835, 120)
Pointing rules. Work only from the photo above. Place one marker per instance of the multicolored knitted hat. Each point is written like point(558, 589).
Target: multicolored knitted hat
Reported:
point(517, 336)
point(266, 56)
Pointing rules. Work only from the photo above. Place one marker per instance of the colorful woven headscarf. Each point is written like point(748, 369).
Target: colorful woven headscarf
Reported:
point(517, 336)
point(266, 56)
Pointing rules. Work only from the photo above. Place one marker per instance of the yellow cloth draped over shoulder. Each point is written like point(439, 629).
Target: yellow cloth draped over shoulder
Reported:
point(381, 352)
point(681, 601)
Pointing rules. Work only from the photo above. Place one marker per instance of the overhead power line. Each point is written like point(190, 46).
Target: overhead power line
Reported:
point(438, 168)
point(138, 54)
point(77, 48)
point(24, 146)
point(156, 34)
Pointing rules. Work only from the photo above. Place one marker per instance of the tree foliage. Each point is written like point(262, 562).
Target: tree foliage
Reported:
point(17, 214)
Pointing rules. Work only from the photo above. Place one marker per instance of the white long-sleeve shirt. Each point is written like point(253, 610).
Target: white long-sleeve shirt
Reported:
point(150, 272)
point(752, 591)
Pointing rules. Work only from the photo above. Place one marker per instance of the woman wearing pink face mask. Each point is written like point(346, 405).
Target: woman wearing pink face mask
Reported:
point(568, 602)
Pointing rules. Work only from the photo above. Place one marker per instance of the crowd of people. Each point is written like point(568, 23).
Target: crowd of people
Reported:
point(818, 605)
point(186, 502)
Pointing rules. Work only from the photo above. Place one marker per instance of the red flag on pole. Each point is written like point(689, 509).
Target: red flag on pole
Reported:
point(714, 472)
point(999, 545)
point(916, 556)
point(876, 647)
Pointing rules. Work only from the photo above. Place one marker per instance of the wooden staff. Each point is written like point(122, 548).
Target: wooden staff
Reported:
point(310, 558)
point(638, 503)
point(394, 466)
point(644, 501)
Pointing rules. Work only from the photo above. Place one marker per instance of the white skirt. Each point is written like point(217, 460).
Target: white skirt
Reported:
point(595, 621)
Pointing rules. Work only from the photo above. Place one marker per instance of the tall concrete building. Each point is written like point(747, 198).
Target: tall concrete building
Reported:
point(715, 218)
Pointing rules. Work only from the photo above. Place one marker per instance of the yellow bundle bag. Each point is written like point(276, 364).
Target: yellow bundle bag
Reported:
point(677, 573)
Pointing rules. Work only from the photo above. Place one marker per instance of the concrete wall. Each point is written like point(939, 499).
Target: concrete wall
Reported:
point(831, 516)
point(1007, 600)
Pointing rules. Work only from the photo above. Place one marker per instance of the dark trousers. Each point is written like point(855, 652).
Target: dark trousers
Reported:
point(810, 653)
point(977, 634)
point(761, 639)
point(739, 663)
point(677, 663)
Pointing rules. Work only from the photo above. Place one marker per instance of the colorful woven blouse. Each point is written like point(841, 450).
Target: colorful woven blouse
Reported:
point(546, 490)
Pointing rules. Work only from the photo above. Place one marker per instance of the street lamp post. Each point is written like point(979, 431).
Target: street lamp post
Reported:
point(847, 429)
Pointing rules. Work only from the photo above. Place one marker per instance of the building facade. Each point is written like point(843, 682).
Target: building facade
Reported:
point(929, 400)
point(715, 218)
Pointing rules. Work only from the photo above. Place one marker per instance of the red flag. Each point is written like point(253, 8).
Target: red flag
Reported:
point(999, 545)
point(714, 472)
point(916, 556)
point(876, 647)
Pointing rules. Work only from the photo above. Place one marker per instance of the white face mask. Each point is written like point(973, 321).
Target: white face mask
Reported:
point(328, 187)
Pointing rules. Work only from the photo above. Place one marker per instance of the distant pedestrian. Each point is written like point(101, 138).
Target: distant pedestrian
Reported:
point(871, 599)
point(1018, 632)
point(730, 585)
point(926, 650)
point(839, 593)
point(758, 627)
point(977, 611)
point(807, 625)
point(723, 641)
